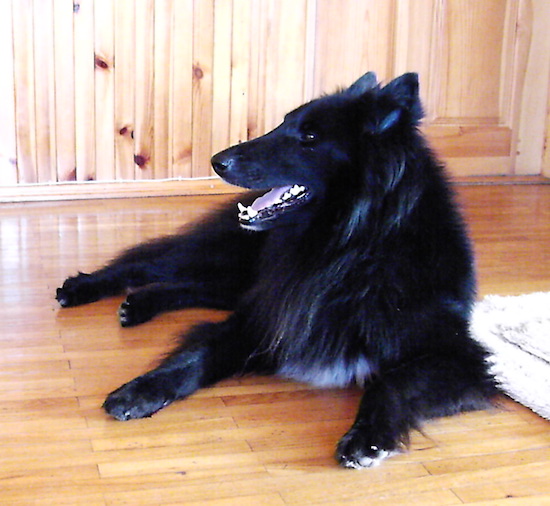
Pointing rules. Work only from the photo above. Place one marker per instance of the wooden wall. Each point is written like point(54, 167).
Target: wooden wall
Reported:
point(131, 90)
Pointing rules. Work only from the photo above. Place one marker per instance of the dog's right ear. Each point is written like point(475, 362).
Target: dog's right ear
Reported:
point(364, 83)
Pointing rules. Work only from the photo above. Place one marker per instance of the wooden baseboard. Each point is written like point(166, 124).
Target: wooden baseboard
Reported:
point(499, 180)
point(180, 187)
point(115, 189)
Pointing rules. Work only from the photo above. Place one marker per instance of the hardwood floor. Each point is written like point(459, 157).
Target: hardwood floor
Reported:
point(255, 441)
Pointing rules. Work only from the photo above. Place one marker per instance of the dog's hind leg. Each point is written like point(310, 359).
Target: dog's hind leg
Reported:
point(210, 353)
point(214, 260)
point(144, 303)
point(134, 268)
point(112, 280)
point(434, 385)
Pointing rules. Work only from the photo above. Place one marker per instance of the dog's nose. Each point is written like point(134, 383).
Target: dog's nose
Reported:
point(220, 164)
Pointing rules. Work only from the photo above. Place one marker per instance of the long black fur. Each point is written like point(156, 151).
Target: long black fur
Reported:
point(368, 280)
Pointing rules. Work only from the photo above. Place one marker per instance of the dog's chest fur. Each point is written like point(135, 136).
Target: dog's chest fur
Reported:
point(311, 325)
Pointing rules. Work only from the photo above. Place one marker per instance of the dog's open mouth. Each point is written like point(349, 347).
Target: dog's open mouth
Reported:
point(272, 205)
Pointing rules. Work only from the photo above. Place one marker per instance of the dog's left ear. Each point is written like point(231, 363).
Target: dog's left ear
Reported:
point(403, 92)
point(398, 98)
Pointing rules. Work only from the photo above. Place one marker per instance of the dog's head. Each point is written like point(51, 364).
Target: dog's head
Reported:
point(318, 144)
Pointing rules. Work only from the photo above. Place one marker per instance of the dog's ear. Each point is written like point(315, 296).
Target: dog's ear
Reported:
point(399, 97)
point(404, 90)
point(365, 83)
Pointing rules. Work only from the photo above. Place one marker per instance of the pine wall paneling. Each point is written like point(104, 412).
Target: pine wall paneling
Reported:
point(131, 93)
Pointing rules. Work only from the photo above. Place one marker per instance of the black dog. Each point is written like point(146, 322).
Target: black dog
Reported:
point(354, 268)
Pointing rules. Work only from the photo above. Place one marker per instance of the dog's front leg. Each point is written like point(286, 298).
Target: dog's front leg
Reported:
point(211, 352)
point(378, 430)
point(401, 398)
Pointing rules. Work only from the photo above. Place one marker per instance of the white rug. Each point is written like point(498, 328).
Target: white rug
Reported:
point(516, 330)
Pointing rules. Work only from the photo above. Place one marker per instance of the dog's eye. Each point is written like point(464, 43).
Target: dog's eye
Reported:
point(308, 137)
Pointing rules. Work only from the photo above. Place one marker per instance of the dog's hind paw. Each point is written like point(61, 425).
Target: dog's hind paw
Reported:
point(356, 451)
point(135, 310)
point(77, 290)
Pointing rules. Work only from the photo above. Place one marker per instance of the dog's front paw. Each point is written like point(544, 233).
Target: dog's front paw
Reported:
point(140, 398)
point(77, 290)
point(358, 449)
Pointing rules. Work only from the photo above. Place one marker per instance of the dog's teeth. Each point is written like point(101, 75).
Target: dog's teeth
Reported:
point(249, 213)
point(244, 212)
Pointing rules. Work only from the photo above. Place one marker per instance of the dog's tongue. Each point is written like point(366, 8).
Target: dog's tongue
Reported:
point(270, 198)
